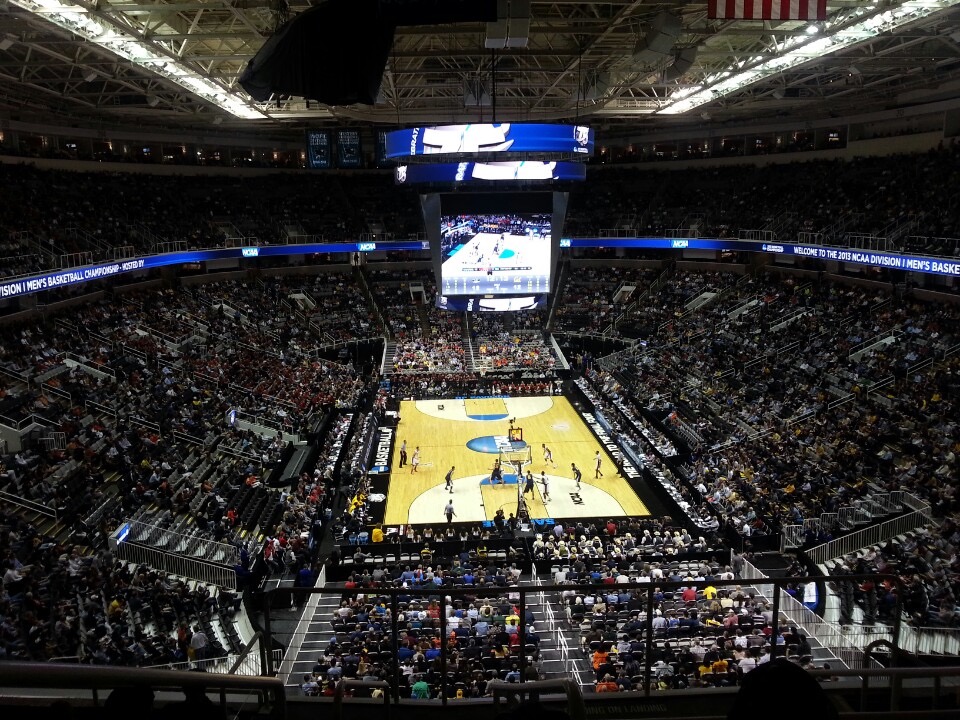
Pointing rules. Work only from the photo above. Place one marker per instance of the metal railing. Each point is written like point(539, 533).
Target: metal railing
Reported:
point(767, 236)
point(842, 643)
point(873, 535)
point(523, 596)
point(872, 342)
point(186, 566)
point(285, 664)
point(576, 708)
point(36, 507)
point(84, 682)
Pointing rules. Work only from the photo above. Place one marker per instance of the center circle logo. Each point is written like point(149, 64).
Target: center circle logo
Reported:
point(495, 444)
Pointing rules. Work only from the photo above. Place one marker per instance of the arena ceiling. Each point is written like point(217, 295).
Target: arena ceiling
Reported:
point(177, 63)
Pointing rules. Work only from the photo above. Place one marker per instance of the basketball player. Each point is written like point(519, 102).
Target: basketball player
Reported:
point(415, 460)
point(546, 485)
point(518, 464)
point(596, 465)
point(496, 475)
point(528, 488)
point(547, 455)
point(576, 474)
point(449, 479)
point(403, 453)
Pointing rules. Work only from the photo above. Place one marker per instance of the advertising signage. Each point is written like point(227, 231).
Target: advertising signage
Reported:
point(890, 261)
point(26, 285)
point(48, 281)
point(490, 138)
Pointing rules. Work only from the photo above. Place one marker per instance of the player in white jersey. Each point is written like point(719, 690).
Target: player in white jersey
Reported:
point(547, 455)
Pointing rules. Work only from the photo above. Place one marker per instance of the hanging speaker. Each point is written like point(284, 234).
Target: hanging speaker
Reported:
point(659, 40)
point(682, 63)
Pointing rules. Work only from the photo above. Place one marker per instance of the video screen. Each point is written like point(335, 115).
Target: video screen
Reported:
point(490, 138)
point(495, 253)
point(491, 304)
point(490, 172)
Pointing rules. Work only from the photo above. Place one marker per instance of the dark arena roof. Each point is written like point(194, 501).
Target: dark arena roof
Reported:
point(627, 66)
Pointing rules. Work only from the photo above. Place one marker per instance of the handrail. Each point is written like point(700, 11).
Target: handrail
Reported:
point(527, 590)
point(257, 636)
point(576, 708)
point(29, 504)
point(94, 679)
point(344, 684)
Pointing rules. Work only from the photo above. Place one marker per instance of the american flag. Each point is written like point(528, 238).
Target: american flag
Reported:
point(767, 9)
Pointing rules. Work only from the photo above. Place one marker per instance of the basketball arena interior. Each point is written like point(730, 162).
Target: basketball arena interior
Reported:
point(544, 359)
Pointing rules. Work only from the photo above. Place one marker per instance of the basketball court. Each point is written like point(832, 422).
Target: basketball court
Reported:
point(472, 434)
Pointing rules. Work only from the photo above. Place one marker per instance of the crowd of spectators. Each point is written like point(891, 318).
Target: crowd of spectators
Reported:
point(60, 602)
point(482, 640)
point(624, 547)
point(512, 342)
point(872, 194)
point(925, 560)
point(589, 295)
point(702, 636)
point(797, 399)
point(138, 426)
point(336, 308)
point(57, 212)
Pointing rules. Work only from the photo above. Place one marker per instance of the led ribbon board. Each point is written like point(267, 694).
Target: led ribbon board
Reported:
point(893, 261)
point(489, 138)
point(489, 172)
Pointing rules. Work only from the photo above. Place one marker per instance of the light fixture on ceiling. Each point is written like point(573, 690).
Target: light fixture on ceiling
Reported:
point(217, 120)
point(861, 24)
point(777, 93)
point(153, 100)
point(6, 43)
point(90, 76)
point(140, 52)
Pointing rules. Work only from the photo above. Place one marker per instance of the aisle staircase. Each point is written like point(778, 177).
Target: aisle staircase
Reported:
point(389, 352)
point(311, 638)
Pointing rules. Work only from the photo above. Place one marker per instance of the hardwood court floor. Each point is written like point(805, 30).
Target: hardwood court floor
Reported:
point(467, 433)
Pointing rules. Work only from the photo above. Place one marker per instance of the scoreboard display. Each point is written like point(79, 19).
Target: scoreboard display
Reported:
point(496, 244)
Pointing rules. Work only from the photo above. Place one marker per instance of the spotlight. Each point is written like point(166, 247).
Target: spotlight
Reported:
point(90, 76)
point(6, 43)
